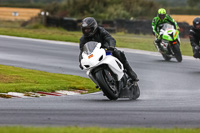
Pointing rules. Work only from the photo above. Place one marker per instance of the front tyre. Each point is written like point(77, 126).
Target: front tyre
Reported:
point(108, 84)
point(177, 52)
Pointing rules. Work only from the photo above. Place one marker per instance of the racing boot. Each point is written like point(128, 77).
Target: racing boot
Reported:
point(130, 72)
point(157, 42)
point(121, 56)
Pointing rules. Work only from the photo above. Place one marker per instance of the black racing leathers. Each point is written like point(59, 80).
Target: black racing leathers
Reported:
point(106, 40)
point(194, 41)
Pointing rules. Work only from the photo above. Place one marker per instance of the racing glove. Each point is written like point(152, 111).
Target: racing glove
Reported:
point(111, 48)
point(157, 35)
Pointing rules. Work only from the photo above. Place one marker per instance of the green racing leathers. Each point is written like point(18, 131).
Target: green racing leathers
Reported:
point(157, 21)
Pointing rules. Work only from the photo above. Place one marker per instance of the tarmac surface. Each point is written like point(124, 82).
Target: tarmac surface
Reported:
point(170, 91)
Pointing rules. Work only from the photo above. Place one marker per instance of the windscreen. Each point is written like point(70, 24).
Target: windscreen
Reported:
point(167, 26)
point(89, 47)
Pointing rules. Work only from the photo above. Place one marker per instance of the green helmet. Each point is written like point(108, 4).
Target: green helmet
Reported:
point(162, 13)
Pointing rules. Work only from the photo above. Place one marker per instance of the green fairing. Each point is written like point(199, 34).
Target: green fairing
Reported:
point(176, 33)
point(168, 38)
point(169, 31)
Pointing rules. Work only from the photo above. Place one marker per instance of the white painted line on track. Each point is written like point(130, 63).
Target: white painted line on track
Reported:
point(40, 94)
point(16, 94)
point(68, 92)
point(151, 53)
point(41, 40)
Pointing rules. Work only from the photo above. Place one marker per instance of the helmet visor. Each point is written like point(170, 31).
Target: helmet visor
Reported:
point(162, 16)
point(87, 31)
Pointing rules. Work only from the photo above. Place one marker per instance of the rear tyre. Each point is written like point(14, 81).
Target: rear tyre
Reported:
point(107, 84)
point(177, 52)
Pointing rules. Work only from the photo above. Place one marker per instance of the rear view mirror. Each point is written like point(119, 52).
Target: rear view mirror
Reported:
point(99, 45)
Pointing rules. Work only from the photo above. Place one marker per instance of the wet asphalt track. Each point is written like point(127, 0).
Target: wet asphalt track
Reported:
point(170, 91)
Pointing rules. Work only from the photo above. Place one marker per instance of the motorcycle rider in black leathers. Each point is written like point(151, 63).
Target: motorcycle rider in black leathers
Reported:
point(92, 32)
point(195, 37)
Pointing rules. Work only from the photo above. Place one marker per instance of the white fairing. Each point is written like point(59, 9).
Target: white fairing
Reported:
point(94, 59)
point(114, 64)
point(97, 56)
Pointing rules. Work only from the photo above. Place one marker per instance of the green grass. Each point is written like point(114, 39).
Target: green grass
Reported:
point(142, 42)
point(44, 33)
point(13, 79)
point(92, 130)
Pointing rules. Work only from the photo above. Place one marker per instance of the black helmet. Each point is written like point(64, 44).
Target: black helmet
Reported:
point(196, 21)
point(89, 26)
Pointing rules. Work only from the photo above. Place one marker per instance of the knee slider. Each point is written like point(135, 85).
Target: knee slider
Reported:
point(196, 55)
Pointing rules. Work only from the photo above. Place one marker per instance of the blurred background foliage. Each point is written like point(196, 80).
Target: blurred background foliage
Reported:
point(102, 9)
point(108, 9)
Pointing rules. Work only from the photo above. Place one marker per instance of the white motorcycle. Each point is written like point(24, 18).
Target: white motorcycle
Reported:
point(108, 73)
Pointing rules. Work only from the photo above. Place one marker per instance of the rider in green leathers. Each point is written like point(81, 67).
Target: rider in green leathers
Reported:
point(161, 18)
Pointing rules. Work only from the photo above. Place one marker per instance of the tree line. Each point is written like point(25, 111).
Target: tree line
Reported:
point(105, 9)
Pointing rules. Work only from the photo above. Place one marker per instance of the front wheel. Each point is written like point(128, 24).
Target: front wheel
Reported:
point(108, 84)
point(177, 52)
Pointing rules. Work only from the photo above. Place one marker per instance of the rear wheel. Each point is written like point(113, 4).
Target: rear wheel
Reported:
point(177, 52)
point(107, 83)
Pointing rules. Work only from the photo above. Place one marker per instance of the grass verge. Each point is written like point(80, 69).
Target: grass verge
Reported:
point(145, 42)
point(92, 130)
point(43, 33)
point(14, 79)
point(142, 42)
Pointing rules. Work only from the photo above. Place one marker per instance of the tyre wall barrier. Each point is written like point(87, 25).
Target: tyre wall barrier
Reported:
point(119, 25)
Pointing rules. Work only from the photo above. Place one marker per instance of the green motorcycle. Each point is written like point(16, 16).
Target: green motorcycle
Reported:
point(170, 43)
